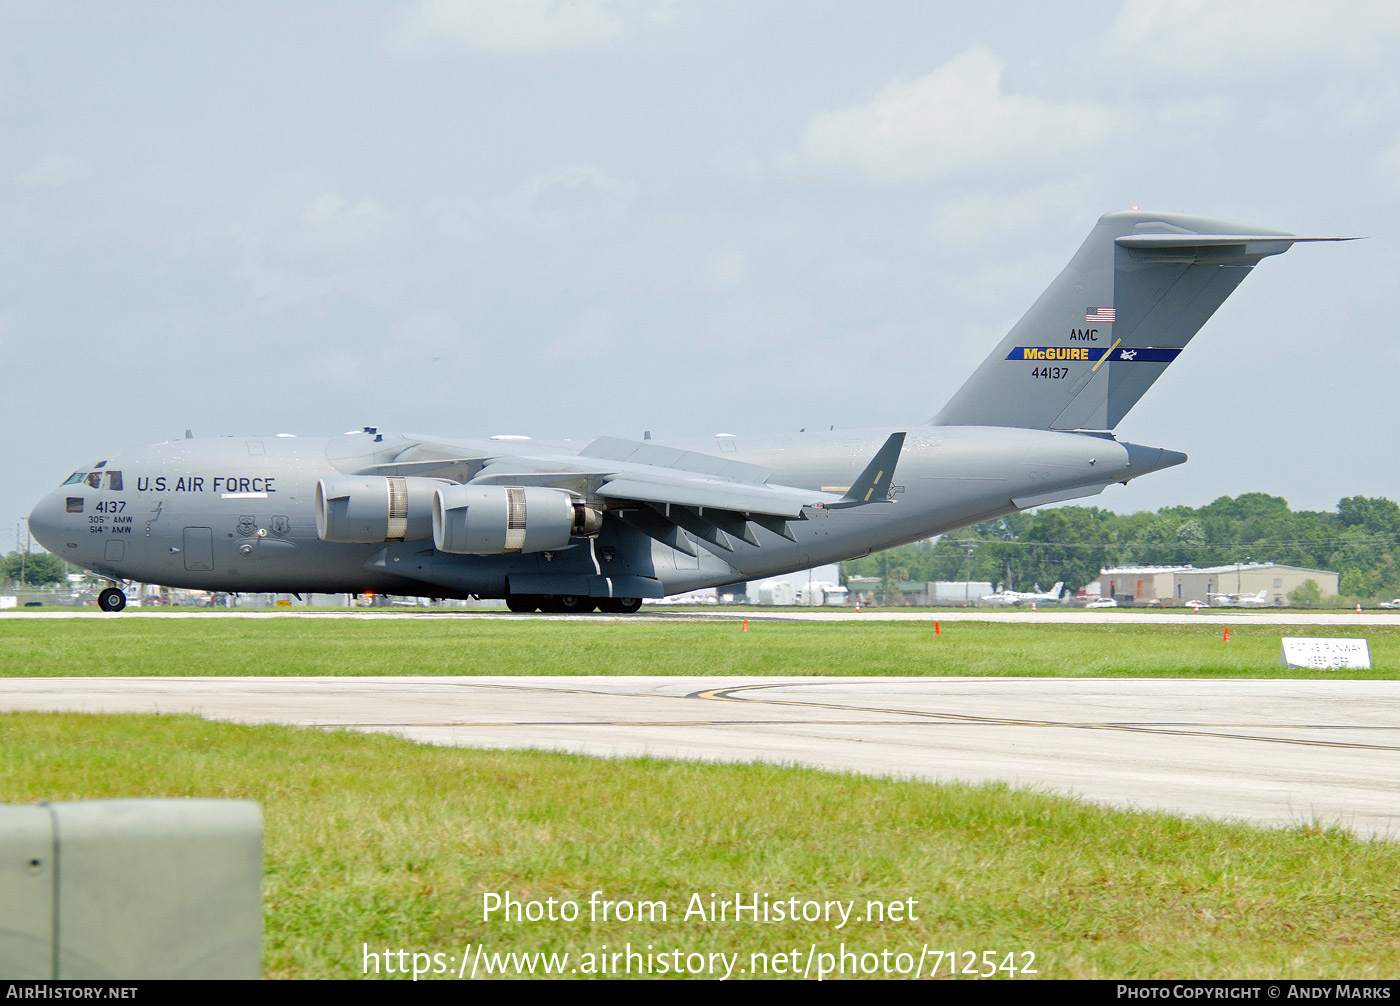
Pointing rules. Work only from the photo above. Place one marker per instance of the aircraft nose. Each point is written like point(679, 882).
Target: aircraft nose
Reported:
point(46, 523)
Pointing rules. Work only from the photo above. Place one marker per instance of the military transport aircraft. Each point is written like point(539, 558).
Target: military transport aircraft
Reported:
point(568, 527)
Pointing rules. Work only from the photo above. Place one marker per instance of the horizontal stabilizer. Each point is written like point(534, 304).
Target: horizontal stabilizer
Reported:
point(1176, 242)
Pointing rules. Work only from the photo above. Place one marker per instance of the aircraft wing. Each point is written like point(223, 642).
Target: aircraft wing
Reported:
point(670, 494)
point(661, 491)
point(703, 481)
point(657, 484)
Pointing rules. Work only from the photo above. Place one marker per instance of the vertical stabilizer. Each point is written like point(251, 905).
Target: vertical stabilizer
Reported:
point(1123, 309)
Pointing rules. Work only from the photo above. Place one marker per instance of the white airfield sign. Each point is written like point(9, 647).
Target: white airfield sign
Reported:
point(1326, 653)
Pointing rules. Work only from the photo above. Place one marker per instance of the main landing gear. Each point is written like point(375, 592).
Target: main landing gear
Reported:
point(562, 604)
point(111, 599)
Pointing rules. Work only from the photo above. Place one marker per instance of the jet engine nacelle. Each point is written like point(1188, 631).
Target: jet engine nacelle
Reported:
point(491, 520)
point(368, 509)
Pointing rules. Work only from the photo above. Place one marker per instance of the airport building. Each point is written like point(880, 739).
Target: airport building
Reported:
point(1251, 578)
point(1139, 584)
point(1180, 585)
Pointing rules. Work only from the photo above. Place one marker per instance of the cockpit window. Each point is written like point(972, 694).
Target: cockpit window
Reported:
point(75, 478)
point(114, 481)
point(101, 464)
point(95, 480)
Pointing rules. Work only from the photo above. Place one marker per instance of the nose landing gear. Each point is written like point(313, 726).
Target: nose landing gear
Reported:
point(111, 599)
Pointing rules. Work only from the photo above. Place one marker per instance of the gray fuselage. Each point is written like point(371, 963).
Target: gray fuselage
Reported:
point(239, 514)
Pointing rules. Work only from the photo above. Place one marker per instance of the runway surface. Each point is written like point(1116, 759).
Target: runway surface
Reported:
point(1272, 752)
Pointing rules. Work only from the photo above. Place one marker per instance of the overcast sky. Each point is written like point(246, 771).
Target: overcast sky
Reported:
point(566, 219)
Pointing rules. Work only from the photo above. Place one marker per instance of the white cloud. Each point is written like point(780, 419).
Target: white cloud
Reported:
point(727, 269)
point(332, 209)
point(329, 248)
point(424, 348)
point(1388, 163)
point(574, 189)
point(523, 26)
point(334, 227)
point(980, 220)
point(1205, 112)
point(1212, 39)
point(54, 169)
point(592, 331)
point(953, 121)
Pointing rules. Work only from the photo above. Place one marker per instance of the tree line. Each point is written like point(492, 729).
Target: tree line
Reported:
point(1359, 540)
point(31, 569)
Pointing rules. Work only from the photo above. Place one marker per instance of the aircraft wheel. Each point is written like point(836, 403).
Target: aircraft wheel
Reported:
point(573, 604)
point(620, 605)
point(522, 602)
point(111, 599)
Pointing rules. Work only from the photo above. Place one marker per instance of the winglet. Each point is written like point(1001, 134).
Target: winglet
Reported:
point(873, 486)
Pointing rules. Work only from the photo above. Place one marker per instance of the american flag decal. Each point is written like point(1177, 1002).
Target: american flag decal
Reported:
point(1099, 316)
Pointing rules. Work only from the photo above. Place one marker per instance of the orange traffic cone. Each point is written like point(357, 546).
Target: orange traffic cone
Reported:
point(1358, 607)
point(1032, 606)
point(1227, 633)
point(746, 626)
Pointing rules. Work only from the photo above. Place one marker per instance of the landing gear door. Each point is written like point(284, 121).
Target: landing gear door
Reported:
point(199, 549)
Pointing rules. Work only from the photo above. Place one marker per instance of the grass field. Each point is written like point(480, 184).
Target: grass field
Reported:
point(373, 840)
point(139, 646)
